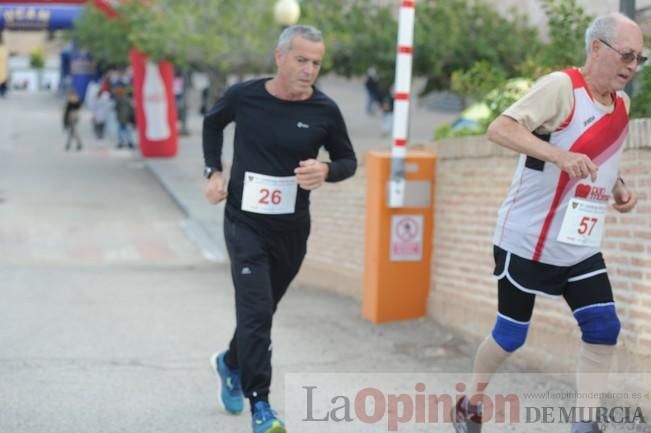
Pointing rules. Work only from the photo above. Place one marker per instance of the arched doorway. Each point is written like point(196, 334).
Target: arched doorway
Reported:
point(29, 50)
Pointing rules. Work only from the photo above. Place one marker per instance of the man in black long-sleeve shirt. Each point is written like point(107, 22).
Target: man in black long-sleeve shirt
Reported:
point(281, 123)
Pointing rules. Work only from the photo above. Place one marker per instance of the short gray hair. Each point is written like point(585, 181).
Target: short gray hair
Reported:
point(603, 27)
point(306, 32)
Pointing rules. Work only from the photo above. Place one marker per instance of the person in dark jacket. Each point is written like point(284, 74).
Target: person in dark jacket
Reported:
point(125, 115)
point(71, 119)
point(373, 93)
point(281, 124)
point(387, 112)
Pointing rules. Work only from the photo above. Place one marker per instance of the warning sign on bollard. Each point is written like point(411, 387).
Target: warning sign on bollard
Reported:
point(406, 238)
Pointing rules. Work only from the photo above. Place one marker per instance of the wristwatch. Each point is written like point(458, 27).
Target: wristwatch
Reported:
point(208, 171)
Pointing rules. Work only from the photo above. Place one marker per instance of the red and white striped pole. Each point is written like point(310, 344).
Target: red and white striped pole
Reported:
point(402, 93)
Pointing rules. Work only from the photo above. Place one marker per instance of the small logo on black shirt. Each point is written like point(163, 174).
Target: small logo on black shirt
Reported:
point(302, 125)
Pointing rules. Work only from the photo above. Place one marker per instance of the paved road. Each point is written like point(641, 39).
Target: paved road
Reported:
point(109, 312)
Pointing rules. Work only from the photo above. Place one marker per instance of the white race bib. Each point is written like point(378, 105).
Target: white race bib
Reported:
point(269, 194)
point(583, 223)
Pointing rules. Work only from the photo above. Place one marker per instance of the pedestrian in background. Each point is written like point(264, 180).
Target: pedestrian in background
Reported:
point(282, 122)
point(4, 68)
point(71, 119)
point(102, 108)
point(373, 94)
point(387, 112)
point(125, 115)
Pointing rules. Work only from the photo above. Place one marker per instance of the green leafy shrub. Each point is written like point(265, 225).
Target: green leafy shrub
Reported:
point(37, 59)
point(641, 103)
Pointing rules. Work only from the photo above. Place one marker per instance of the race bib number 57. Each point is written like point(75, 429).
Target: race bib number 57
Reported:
point(269, 194)
point(583, 223)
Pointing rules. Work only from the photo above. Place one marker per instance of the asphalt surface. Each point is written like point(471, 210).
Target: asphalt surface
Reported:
point(111, 305)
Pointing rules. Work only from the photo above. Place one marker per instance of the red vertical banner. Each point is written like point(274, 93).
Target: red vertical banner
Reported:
point(106, 7)
point(155, 105)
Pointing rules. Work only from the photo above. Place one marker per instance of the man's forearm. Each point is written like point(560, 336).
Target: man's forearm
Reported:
point(341, 169)
point(510, 134)
point(212, 147)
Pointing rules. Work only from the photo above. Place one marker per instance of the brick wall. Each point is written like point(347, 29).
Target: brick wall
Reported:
point(335, 259)
point(473, 177)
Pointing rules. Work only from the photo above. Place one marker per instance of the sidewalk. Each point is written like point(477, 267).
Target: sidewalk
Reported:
point(407, 348)
point(109, 313)
point(182, 176)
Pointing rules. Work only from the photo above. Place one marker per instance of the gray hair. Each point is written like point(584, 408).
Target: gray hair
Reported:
point(306, 32)
point(603, 27)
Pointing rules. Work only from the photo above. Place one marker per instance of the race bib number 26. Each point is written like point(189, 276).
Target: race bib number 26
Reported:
point(269, 194)
point(583, 223)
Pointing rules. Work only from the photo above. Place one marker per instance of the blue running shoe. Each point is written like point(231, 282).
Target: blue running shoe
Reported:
point(265, 420)
point(230, 391)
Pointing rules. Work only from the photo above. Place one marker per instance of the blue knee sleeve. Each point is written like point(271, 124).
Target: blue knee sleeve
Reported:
point(599, 324)
point(508, 334)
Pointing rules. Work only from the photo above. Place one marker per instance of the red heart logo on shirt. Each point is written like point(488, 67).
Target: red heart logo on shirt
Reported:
point(583, 190)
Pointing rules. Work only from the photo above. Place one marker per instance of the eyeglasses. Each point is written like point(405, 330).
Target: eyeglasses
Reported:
point(626, 57)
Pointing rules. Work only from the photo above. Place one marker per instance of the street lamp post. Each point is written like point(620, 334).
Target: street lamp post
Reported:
point(627, 7)
point(287, 12)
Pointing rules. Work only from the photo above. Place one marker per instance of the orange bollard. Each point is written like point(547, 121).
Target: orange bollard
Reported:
point(398, 246)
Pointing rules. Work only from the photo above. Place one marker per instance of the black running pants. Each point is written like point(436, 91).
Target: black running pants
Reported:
point(263, 264)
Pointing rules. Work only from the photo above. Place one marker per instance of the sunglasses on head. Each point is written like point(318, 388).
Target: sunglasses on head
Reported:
point(626, 57)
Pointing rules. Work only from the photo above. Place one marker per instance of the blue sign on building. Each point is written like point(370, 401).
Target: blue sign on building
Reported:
point(38, 17)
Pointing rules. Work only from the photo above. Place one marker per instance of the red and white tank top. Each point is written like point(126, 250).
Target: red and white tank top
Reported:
point(530, 218)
